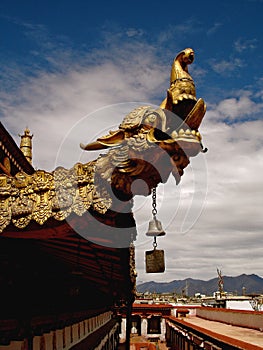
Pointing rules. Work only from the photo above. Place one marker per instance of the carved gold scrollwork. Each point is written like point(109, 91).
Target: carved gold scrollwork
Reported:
point(78, 206)
point(5, 208)
point(101, 201)
point(22, 204)
point(42, 185)
point(22, 208)
point(64, 192)
point(139, 142)
point(134, 118)
point(43, 195)
point(42, 209)
point(84, 179)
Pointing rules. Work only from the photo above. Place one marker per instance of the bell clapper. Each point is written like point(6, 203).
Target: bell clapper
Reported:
point(154, 242)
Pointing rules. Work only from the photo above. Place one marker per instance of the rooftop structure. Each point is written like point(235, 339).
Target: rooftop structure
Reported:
point(217, 329)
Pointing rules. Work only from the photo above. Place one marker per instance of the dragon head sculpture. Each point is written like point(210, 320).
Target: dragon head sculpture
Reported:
point(151, 143)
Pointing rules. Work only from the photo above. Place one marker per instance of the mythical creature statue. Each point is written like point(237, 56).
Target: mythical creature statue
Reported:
point(173, 128)
point(149, 145)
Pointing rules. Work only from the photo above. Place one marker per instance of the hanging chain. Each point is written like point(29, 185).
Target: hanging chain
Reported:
point(154, 242)
point(154, 210)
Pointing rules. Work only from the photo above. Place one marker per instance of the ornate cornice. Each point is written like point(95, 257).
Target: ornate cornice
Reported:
point(44, 195)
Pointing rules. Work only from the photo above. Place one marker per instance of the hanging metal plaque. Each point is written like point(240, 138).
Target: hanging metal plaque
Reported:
point(154, 261)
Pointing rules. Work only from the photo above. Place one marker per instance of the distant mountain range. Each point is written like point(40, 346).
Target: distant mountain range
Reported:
point(253, 284)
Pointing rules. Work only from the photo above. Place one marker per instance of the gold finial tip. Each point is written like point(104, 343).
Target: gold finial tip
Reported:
point(27, 131)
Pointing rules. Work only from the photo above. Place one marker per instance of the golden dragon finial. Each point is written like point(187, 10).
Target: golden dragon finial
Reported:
point(182, 87)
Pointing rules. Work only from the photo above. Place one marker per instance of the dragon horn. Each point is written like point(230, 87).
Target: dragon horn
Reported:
point(114, 139)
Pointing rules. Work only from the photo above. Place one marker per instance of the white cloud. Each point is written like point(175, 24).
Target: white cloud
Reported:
point(226, 66)
point(52, 104)
point(178, 32)
point(239, 107)
point(214, 28)
point(134, 32)
point(241, 44)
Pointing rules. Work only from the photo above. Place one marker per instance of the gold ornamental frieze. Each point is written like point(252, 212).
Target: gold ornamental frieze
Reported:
point(5, 208)
point(43, 195)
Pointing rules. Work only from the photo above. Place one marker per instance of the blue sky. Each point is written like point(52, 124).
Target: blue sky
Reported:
point(71, 70)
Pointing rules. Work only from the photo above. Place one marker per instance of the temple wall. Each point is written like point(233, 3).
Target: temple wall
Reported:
point(178, 338)
point(241, 318)
point(69, 337)
point(144, 329)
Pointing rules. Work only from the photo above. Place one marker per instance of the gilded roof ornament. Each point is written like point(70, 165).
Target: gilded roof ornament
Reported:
point(182, 87)
point(26, 145)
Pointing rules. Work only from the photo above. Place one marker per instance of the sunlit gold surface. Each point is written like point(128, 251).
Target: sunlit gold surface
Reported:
point(182, 86)
point(43, 195)
point(26, 145)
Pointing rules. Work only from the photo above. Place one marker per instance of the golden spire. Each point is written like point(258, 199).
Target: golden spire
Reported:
point(26, 145)
point(182, 87)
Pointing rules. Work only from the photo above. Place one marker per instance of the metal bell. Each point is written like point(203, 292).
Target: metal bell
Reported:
point(155, 228)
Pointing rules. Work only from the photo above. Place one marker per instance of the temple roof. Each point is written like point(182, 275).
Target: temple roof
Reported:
point(59, 225)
